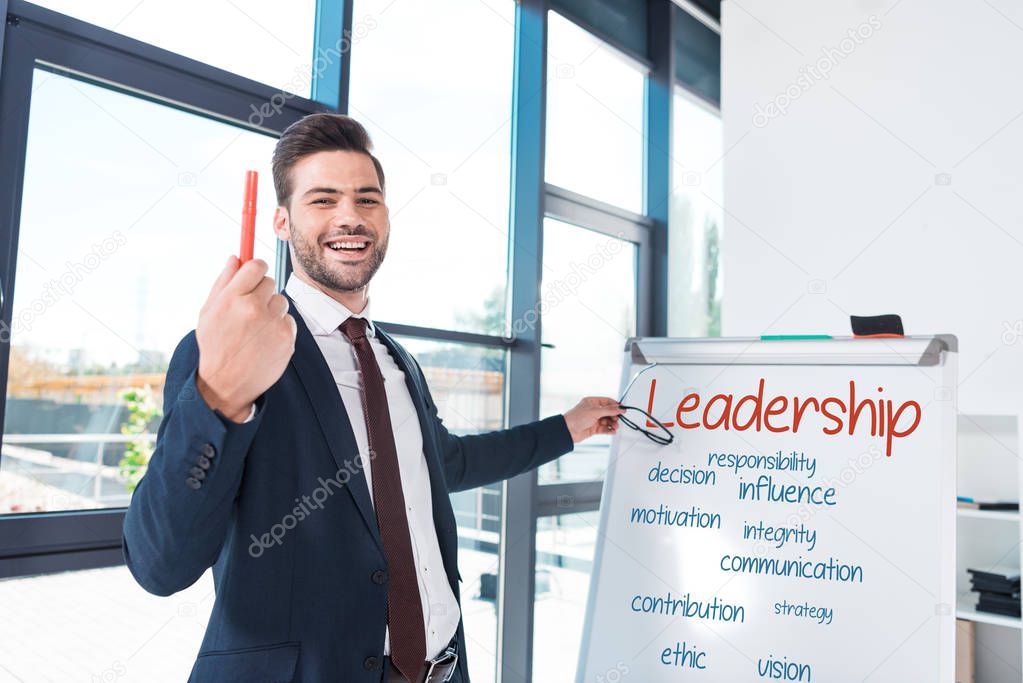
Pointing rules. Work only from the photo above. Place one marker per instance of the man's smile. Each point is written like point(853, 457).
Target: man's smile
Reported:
point(348, 249)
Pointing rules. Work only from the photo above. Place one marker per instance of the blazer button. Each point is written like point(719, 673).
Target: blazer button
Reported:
point(379, 577)
point(193, 483)
point(204, 462)
point(370, 663)
point(208, 450)
point(198, 472)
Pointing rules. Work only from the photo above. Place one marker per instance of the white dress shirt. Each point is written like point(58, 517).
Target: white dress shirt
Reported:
point(323, 315)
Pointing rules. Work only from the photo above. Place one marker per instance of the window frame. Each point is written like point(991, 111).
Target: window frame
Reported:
point(565, 498)
point(526, 500)
point(44, 542)
point(32, 543)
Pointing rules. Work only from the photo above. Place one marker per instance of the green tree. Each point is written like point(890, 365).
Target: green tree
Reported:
point(712, 231)
point(141, 412)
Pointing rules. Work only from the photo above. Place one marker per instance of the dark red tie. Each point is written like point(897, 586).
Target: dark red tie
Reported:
point(404, 608)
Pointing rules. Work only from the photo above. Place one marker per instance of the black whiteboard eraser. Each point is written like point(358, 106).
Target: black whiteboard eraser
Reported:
point(875, 325)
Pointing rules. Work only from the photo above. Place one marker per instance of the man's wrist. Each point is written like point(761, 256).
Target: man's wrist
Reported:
point(241, 416)
point(568, 427)
point(235, 413)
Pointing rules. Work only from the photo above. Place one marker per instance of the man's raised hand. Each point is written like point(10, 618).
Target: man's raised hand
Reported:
point(245, 337)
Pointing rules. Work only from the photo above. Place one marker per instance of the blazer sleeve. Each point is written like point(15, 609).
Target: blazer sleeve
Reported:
point(174, 529)
point(479, 459)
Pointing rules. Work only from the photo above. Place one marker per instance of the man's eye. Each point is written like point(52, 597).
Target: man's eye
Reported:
point(368, 201)
point(321, 201)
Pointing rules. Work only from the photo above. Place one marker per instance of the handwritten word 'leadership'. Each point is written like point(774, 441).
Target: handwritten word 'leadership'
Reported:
point(840, 414)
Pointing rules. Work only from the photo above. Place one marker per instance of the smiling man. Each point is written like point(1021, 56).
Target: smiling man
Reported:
point(302, 457)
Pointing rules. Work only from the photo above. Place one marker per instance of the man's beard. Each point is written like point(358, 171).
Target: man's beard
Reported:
point(311, 258)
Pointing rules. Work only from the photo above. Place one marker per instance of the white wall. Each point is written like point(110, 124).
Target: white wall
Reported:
point(839, 205)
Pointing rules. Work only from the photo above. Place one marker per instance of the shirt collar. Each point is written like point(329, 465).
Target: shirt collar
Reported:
point(322, 314)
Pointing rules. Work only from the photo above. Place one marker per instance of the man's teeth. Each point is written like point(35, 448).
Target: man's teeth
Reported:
point(337, 246)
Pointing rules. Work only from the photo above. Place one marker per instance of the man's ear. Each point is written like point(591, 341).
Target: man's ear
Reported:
point(282, 223)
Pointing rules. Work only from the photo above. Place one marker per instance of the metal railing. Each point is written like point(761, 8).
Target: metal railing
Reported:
point(17, 446)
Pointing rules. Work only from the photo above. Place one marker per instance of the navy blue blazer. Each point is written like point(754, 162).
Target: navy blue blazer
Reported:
point(280, 508)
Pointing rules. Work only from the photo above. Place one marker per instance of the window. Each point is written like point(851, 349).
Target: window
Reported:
point(127, 217)
point(588, 308)
point(695, 220)
point(151, 154)
point(440, 122)
point(467, 384)
point(621, 22)
point(698, 54)
point(255, 38)
point(564, 562)
point(88, 609)
point(594, 117)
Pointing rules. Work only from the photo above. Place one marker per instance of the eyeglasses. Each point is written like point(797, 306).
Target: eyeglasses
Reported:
point(657, 437)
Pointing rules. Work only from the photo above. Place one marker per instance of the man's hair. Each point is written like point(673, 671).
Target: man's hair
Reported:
point(318, 133)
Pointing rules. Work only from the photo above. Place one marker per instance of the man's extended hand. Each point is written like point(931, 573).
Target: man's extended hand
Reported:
point(593, 415)
point(245, 337)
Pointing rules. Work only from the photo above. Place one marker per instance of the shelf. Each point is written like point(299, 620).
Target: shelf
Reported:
point(967, 609)
point(1003, 515)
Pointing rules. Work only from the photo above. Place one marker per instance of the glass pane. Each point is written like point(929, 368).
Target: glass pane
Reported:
point(594, 117)
point(99, 625)
point(432, 84)
point(127, 217)
point(624, 21)
point(564, 562)
point(697, 55)
point(588, 303)
point(695, 220)
point(467, 383)
point(254, 39)
point(108, 628)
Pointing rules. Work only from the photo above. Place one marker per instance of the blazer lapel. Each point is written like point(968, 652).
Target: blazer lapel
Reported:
point(319, 384)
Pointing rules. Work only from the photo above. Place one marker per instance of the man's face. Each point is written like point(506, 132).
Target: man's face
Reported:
point(336, 220)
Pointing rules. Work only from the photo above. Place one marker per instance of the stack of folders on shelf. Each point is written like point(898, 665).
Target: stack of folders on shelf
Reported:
point(998, 589)
point(1001, 506)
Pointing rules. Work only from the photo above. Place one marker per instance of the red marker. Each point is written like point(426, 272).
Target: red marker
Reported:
point(249, 216)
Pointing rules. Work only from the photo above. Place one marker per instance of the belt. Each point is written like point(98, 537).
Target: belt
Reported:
point(437, 670)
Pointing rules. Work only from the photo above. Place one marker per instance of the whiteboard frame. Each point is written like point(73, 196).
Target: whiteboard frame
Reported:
point(931, 350)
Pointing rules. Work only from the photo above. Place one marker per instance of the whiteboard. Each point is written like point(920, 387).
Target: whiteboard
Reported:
point(772, 543)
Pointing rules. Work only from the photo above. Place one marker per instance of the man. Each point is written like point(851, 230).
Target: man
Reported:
point(301, 455)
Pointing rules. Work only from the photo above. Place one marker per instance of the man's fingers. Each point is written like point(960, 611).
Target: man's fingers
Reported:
point(230, 268)
point(607, 406)
point(278, 305)
point(248, 277)
point(263, 291)
point(603, 402)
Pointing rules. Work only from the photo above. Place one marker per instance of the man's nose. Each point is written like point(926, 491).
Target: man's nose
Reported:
point(347, 214)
